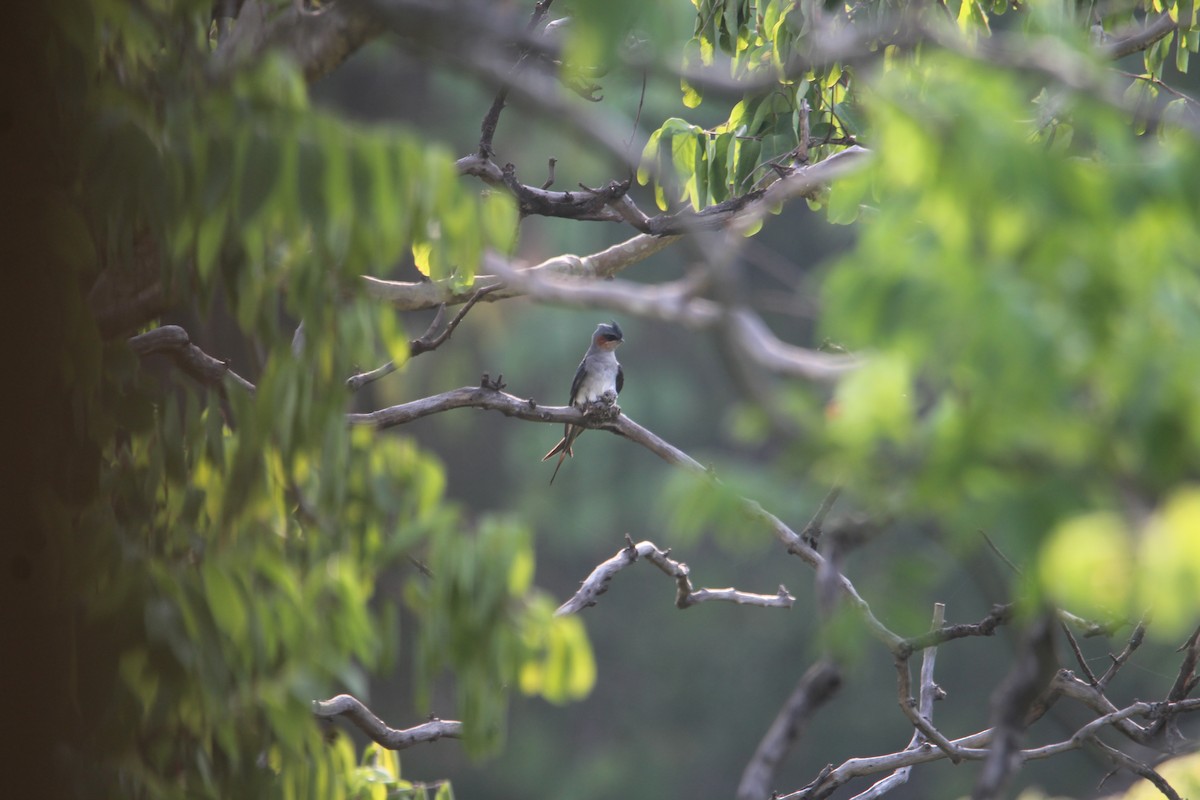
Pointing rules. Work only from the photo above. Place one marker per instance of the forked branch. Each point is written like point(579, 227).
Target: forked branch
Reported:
point(686, 595)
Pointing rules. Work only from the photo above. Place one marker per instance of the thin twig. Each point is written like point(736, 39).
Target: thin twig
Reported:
point(1133, 765)
point(1118, 661)
point(1016, 570)
point(1083, 665)
point(812, 531)
point(426, 341)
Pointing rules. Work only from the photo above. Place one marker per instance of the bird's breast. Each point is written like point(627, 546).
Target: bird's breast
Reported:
point(598, 379)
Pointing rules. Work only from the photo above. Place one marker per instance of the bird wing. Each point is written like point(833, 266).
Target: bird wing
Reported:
point(578, 381)
point(620, 378)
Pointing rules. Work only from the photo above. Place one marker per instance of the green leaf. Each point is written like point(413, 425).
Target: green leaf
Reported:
point(258, 177)
point(717, 158)
point(1169, 565)
point(224, 600)
point(1084, 566)
point(209, 238)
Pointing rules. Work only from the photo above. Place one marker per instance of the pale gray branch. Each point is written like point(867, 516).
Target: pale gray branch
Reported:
point(492, 399)
point(929, 692)
point(1141, 38)
point(486, 397)
point(686, 595)
point(975, 748)
point(676, 303)
point(414, 296)
point(391, 738)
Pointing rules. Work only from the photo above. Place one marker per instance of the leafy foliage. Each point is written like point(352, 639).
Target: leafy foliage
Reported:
point(229, 552)
point(1023, 281)
point(1021, 260)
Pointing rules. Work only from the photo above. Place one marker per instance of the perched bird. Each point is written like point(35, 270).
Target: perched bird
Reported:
point(598, 374)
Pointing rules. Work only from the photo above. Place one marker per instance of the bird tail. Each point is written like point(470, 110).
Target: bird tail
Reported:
point(563, 449)
point(562, 446)
point(562, 455)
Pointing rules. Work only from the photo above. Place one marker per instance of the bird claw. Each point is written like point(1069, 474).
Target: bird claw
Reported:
point(497, 385)
point(604, 408)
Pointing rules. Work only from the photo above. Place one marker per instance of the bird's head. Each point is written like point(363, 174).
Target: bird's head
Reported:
point(608, 336)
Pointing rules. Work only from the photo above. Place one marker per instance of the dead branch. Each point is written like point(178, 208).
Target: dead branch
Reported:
point(173, 342)
point(1118, 661)
point(426, 342)
point(929, 692)
point(1031, 673)
point(686, 595)
point(415, 296)
point(975, 748)
point(391, 738)
point(815, 688)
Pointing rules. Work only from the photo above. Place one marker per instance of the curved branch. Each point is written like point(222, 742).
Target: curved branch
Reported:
point(173, 342)
point(815, 688)
point(675, 303)
point(391, 738)
point(415, 296)
point(686, 595)
point(426, 342)
point(486, 397)
point(1140, 39)
point(612, 203)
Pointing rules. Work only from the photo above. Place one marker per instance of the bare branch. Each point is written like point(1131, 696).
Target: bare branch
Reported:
point(1133, 765)
point(929, 692)
point(815, 688)
point(1083, 665)
point(425, 342)
point(1118, 661)
point(511, 406)
point(391, 738)
point(361, 379)
point(414, 296)
point(1066, 684)
point(686, 596)
point(1185, 681)
point(812, 531)
point(1141, 39)
point(486, 397)
point(677, 303)
point(173, 342)
point(1030, 674)
point(492, 118)
point(999, 615)
point(612, 203)
point(909, 707)
point(975, 748)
